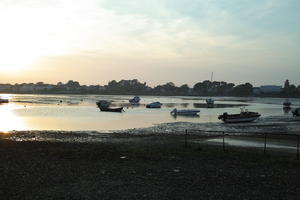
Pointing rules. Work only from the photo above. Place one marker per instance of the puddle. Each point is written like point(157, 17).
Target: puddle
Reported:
point(256, 142)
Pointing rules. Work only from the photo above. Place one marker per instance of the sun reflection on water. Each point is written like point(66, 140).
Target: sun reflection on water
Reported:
point(9, 120)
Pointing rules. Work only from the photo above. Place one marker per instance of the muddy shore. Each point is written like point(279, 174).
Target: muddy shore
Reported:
point(152, 168)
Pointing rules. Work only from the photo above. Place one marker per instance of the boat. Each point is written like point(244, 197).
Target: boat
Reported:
point(104, 106)
point(243, 116)
point(3, 100)
point(135, 100)
point(286, 104)
point(210, 102)
point(296, 112)
point(111, 109)
point(186, 112)
point(154, 105)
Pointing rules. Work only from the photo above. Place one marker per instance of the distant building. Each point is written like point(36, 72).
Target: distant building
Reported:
point(270, 89)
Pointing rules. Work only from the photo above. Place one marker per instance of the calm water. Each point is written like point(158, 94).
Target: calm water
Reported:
point(79, 112)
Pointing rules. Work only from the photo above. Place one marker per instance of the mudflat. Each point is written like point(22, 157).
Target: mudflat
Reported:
point(154, 168)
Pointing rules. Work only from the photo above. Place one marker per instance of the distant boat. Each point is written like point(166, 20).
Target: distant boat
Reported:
point(244, 116)
point(135, 100)
point(104, 106)
point(187, 112)
point(3, 100)
point(286, 104)
point(210, 102)
point(296, 113)
point(154, 105)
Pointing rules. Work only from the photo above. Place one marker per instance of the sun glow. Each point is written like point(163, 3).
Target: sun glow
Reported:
point(9, 121)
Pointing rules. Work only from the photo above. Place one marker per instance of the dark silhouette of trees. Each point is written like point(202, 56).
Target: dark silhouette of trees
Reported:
point(242, 90)
point(134, 87)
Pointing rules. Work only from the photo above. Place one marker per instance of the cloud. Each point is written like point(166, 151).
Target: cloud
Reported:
point(196, 36)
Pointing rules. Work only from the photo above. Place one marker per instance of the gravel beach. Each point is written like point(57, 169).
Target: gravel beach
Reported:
point(143, 168)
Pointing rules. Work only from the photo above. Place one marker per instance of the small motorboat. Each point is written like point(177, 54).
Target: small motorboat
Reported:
point(104, 106)
point(286, 104)
point(210, 102)
point(186, 112)
point(244, 116)
point(154, 105)
point(135, 100)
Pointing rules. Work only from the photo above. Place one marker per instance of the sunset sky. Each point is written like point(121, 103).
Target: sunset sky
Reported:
point(156, 41)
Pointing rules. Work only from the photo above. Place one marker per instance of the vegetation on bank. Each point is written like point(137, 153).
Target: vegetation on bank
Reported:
point(134, 87)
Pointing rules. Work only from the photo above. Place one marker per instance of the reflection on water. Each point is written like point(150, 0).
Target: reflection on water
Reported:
point(256, 142)
point(79, 112)
point(9, 119)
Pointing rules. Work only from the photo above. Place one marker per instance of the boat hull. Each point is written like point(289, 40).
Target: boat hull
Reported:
point(185, 112)
point(239, 118)
point(147, 106)
point(3, 100)
point(154, 105)
point(111, 109)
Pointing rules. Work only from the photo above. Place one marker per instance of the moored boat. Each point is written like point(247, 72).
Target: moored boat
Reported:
point(187, 112)
point(154, 105)
point(3, 100)
point(286, 104)
point(112, 109)
point(210, 102)
point(243, 116)
point(135, 100)
point(104, 106)
point(296, 112)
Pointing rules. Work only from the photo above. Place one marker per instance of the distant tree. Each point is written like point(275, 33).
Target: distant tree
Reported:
point(183, 90)
point(242, 90)
point(202, 88)
point(73, 84)
point(40, 83)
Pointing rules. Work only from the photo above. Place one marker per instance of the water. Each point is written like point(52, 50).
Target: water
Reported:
point(283, 144)
point(79, 112)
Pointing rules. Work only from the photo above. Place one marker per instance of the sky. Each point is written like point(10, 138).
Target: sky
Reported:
point(154, 41)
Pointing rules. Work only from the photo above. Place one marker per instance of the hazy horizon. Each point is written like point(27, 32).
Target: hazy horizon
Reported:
point(154, 41)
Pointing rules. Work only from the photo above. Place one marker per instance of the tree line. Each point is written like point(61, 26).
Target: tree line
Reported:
point(135, 87)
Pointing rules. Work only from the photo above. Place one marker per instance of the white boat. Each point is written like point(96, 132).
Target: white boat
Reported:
point(187, 112)
point(154, 105)
point(286, 104)
point(244, 116)
point(135, 100)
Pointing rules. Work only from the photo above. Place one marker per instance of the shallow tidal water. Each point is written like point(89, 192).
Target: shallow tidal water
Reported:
point(80, 113)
